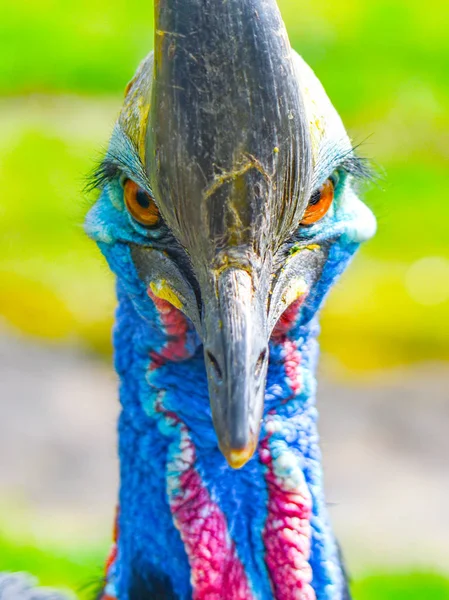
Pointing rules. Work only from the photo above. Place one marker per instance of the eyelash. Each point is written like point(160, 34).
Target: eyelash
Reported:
point(116, 166)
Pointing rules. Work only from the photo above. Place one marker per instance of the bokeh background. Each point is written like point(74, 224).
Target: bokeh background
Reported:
point(384, 374)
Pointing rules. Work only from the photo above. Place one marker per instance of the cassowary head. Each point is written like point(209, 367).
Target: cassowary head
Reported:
point(227, 182)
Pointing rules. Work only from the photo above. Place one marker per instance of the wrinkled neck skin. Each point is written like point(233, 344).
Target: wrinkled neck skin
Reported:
point(189, 526)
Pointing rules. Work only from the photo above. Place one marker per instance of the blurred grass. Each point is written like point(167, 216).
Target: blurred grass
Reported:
point(414, 586)
point(80, 571)
point(76, 570)
point(384, 65)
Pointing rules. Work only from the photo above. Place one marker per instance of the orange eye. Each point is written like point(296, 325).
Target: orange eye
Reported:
point(319, 204)
point(141, 205)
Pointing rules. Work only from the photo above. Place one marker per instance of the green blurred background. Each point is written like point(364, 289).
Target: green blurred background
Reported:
point(384, 64)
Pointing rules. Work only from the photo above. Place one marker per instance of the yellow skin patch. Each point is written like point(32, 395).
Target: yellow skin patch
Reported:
point(238, 458)
point(162, 290)
point(296, 290)
point(144, 110)
point(297, 248)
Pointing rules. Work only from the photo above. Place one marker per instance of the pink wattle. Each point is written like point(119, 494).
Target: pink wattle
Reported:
point(287, 532)
point(287, 320)
point(175, 325)
point(216, 571)
point(292, 362)
point(292, 357)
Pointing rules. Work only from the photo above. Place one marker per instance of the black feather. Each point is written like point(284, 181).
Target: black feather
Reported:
point(154, 586)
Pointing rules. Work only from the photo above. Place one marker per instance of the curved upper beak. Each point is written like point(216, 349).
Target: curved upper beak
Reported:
point(236, 357)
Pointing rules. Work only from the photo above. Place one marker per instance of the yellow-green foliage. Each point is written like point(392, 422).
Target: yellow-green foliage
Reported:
point(54, 283)
point(77, 570)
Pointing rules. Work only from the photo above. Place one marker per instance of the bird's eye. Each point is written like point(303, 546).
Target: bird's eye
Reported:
point(319, 203)
point(141, 205)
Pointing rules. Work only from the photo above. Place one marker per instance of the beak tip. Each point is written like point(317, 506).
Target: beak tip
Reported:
point(237, 458)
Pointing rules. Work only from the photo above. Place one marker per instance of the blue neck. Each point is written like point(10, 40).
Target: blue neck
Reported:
point(168, 450)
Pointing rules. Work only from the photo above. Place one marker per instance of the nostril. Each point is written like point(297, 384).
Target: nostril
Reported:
point(260, 362)
point(215, 366)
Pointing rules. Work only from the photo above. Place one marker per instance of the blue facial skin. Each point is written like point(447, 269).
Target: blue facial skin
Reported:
point(150, 547)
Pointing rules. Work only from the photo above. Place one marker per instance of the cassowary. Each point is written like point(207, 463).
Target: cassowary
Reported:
point(227, 210)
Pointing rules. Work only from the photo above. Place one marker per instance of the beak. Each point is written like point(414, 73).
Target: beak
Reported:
point(235, 325)
point(228, 156)
point(236, 357)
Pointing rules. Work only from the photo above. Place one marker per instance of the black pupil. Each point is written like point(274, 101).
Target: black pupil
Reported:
point(142, 199)
point(315, 197)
